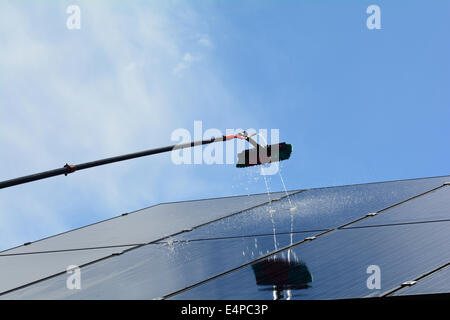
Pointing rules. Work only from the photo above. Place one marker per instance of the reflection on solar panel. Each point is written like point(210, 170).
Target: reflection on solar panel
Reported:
point(249, 247)
point(339, 260)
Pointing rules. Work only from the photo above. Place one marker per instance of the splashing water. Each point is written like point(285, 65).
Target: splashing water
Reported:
point(271, 212)
point(252, 178)
point(292, 208)
point(268, 190)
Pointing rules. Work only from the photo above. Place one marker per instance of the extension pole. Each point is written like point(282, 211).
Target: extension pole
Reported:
point(72, 168)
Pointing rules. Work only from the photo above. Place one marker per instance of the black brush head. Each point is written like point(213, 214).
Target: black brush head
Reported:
point(263, 155)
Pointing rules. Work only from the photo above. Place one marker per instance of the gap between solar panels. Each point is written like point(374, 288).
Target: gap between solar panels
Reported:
point(71, 249)
point(241, 236)
point(397, 224)
point(305, 231)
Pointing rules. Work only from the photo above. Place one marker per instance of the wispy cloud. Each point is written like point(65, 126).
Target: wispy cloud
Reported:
point(185, 63)
point(205, 41)
point(84, 94)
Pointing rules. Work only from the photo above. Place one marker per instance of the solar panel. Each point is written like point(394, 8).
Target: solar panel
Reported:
point(432, 206)
point(139, 227)
point(155, 270)
point(223, 248)
point(438, 282)
point(18, 270)
point(338, 263)
point(317, 209)
point(147, 224)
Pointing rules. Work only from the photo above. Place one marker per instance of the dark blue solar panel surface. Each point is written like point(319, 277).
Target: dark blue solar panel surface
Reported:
point(432, 206)
point(317, 209)
point(438, 282)
point(332, 266)
point(147, 225)
point(21, 269)
point(339, 260)
point(143, 226)
point(155, 270)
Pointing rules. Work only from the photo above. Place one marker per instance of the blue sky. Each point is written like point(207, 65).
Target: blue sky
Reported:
point(358, 105)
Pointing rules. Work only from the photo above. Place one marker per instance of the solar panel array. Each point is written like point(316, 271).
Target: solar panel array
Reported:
point(307, 244)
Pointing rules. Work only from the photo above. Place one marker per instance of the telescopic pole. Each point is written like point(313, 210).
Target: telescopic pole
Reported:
point(67, 169)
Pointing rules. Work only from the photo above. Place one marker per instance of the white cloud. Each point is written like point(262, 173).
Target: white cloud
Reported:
point(185, 63)
point(79, 95)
